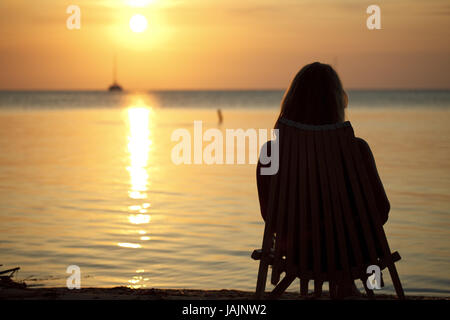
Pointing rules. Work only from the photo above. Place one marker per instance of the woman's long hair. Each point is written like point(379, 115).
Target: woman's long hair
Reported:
point(315, 96)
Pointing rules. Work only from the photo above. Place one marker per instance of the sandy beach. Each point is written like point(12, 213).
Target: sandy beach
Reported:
point(125, 293)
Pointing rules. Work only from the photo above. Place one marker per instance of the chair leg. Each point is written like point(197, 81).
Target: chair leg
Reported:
point(369, 292)
point(318, 288)
point(304, 287)
point(332, 289)
point(282, 286)
point(396, 281)
point(262, 279)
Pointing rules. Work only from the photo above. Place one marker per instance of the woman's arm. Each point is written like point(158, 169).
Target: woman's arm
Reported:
point(381, 199)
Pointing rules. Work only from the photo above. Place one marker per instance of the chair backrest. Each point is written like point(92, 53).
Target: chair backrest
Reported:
point(322, 209)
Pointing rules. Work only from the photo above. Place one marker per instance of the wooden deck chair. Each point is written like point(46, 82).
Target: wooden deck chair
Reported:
point(322, 223)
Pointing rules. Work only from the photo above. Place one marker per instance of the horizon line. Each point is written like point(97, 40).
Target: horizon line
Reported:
point(213, 89)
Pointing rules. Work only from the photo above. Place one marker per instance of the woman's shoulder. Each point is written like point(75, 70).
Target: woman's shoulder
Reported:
point(365, 150)
point(363, 145)
point(361, 141)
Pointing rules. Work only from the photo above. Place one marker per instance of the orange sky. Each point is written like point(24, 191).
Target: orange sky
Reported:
point(222, 44)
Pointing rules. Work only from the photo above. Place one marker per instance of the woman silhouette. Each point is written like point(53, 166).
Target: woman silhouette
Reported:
point(316, 97)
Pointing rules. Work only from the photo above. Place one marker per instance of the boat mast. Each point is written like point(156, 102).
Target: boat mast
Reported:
point(115, 69)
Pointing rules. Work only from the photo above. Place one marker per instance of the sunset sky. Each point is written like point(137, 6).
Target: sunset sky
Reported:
point(222, 44)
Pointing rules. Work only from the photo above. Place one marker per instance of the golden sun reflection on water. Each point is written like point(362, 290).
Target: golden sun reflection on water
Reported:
point(129, 245)
point(139, 144)
point(139, 218)
point(139, 147)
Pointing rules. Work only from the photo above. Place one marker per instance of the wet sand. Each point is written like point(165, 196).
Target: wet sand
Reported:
point(124, 293)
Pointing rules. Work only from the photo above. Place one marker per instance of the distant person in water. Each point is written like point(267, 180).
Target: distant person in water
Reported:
point(219, 114)
point(316, 97)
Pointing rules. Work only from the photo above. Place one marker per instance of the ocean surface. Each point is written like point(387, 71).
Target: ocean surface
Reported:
point(87, 179)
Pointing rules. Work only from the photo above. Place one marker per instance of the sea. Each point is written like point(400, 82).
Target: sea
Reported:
point(87, 179)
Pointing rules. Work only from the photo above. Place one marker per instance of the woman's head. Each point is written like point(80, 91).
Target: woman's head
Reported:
point(315, 96)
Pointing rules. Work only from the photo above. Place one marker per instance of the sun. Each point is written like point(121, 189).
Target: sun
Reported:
point(138, 23)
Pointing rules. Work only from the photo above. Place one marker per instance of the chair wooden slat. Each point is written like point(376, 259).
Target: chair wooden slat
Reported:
point(291, 256)
point(314, 201)
point(303, 207)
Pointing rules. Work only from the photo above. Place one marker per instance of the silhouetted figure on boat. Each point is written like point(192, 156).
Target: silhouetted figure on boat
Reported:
point(115, 86)
point(219, 114)
point(325, 208)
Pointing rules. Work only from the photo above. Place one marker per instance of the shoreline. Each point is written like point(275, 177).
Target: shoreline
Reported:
point(125, 293)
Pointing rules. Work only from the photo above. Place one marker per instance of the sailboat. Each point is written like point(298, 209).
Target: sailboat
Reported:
point(115, 86)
